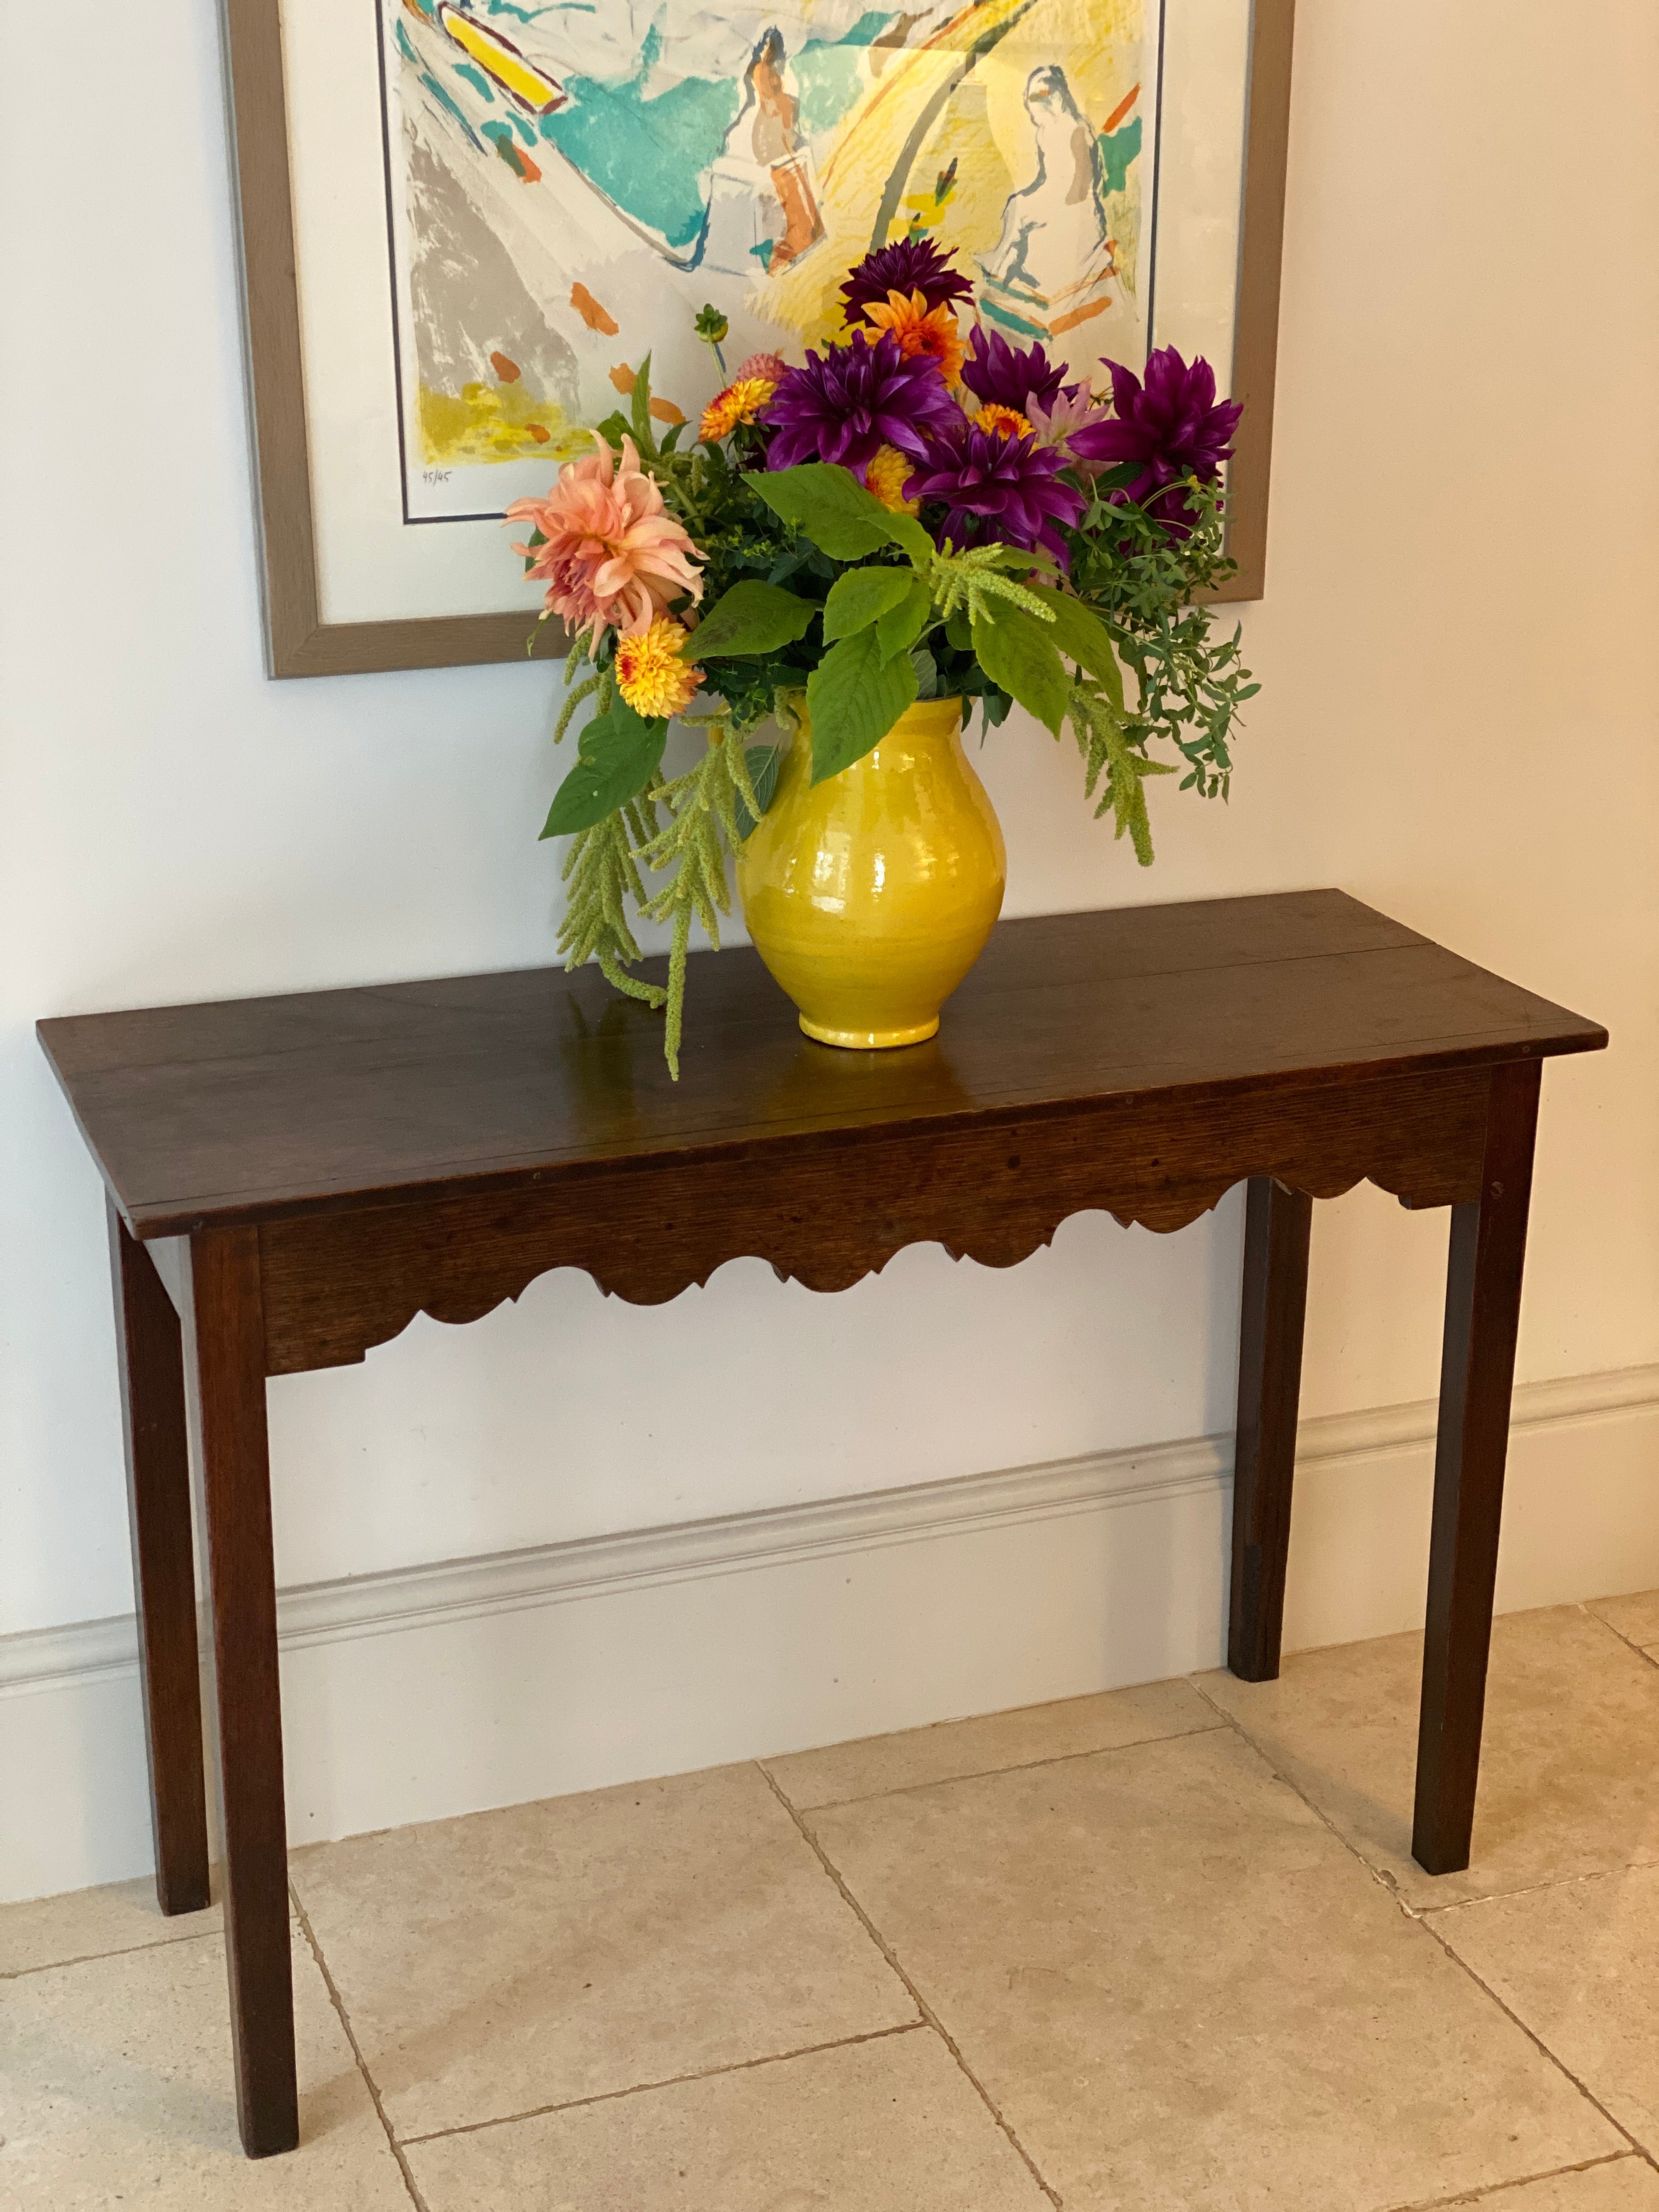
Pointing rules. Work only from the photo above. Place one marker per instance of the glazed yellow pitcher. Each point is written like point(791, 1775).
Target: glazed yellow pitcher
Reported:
point(870, 896)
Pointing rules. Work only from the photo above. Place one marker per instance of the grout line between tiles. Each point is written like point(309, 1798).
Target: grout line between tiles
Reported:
point(983, 1773)
point(1534, 1889)
point(335, 1998)
point(121, 1951)
point(1537, 2040)
point(668, 2081)
point(1526, 2181)
point(1421, 1919)
point(927, 2011)
point(1642, 1650)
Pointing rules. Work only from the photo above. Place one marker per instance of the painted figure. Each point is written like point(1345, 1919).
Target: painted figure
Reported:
point(1054, 250)
point(762, 201)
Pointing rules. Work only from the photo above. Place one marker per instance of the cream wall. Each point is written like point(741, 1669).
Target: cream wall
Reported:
point(1458, 723)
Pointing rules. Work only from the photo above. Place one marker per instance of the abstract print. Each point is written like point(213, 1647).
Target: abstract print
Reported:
point(568, 184)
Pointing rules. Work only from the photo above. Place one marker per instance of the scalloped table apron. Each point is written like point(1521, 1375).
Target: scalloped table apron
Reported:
point(290, 1180)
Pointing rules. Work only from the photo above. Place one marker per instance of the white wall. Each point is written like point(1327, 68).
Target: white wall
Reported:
point(1458, 723)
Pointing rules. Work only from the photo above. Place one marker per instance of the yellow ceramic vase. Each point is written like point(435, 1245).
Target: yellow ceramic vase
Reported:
point(870, 896)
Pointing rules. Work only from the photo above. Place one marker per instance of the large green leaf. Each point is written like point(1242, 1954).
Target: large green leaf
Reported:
point(832, 507)
point(1015, 651)
point(1080, 633)
point(854, 701)
point(753, 617)
point(858, 597)
point(898, 630)
point(619, 752)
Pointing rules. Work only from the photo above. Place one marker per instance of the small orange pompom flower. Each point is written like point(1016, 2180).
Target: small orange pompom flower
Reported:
point(1006, 422)
point(741, 402)
point(921, 329)
point(887, 476)
point(650, 673)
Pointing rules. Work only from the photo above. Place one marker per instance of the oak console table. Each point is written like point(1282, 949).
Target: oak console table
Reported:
point(291, 1180)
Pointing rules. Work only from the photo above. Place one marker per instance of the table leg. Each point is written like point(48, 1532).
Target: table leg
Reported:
point(225, 1347)
point(1483, 1307)
point(151, 1358)
point(1277, 1224)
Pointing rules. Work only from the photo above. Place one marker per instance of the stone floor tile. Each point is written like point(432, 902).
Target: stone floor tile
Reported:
point(1569, 1767)
point(1620, 2184)
point(986, 1745)
point(1579, 1963)
point(500, 1963)
point(1183, 1994)
point(87, 1924)
point(1635, 1618)
point(116, 2091)
point(890, 2125)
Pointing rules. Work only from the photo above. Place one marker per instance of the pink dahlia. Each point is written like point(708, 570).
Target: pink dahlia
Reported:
point(771, 366)
point(611, 552)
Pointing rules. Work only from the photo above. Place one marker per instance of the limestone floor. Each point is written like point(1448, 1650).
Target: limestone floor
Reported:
point(1162, 1948)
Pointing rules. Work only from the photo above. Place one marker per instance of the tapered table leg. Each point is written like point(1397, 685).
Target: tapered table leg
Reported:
point(1276, 1224)
point(1483, 1308)
point(225, 1347)
point(151, 1358)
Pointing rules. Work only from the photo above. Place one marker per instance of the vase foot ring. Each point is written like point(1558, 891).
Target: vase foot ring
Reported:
point(871, 1040)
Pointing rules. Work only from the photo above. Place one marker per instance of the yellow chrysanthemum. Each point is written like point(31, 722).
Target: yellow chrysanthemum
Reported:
point(740, 403)
point(1006, 422)
point(921, 329)
point(887, 476)
point(650, 674)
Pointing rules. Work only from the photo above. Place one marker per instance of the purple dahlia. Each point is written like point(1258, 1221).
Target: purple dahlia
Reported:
point(1003, 375)
point(997, 489)
point(1172, 428)
point(914, 264)
point(849, 402)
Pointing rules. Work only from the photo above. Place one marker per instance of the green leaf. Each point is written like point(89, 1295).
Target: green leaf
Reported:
point(640, 403)
point(959, 632)
point(858, 597)
point(763, 763)
point(1015, 651)
point(752, 618)
point(836, 513)
point(854, 701)
point(614, 429)
point(619, 753)
point(898, 630)
point(1080, 633)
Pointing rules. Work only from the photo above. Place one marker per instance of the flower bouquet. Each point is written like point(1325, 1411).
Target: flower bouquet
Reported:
point(915, 513)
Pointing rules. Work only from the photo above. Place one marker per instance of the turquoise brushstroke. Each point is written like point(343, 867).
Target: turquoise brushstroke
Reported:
point(448, 101)
point(830, 79)
point(1000, 314)
point(477, 79)
point(1115, 154)
point(406, 49)
point(648, 155)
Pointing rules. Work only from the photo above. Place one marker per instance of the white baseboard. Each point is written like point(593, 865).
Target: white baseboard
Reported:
point(446, 1688)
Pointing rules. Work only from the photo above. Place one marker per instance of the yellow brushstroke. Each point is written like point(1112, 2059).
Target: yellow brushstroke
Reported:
point(496, 423)
point(983, 124)
point(500, 58)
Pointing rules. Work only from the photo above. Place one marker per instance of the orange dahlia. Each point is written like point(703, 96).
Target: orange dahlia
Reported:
point(1006, 422)
point(921, 328)
point(612, 553)
point(650, 673)
point(741, 402)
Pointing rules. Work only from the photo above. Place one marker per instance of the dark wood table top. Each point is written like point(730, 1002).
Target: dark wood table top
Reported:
point(254, 1109)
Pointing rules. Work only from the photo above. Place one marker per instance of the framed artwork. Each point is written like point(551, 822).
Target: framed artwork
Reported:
point(466, 223)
